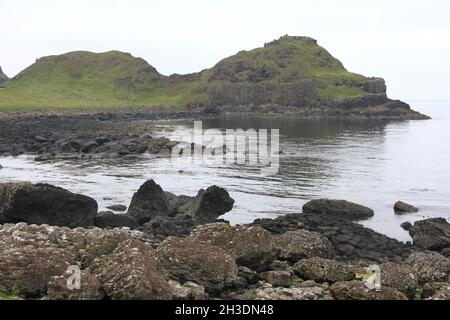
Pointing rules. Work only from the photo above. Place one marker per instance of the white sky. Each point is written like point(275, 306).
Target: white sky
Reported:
point(405, 41)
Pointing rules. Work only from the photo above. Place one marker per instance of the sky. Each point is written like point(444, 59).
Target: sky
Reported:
point(407, 42)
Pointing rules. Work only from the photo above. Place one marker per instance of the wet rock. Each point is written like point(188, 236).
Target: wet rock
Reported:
point(148, 202)
point(399, 277)
point(102, 140)
point(90, 288)
point(406, 226)
point(87, 147)
point(428, 267)
point(254, 248)
point(431, 234)
point(339, 208)
point(186, 260)
point(247, 276)
point(45, 204)
point(278, 278)
point(111, 220)
point(117, 207)
point(324, 270)
point(160, 227)
point(402, 207)
point(301, 244)
point(356, 290)
point(130, 273)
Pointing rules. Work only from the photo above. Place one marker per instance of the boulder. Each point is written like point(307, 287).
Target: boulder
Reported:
point(252, 247)
point(324, 270)
point(356, 290)
point(186, 260)
point(130, 273)
point(90, 288)
point(278, 278)
point(110, 220)
point(268, 292)
point(339, 208)
point(443, 294)
point(403, 207)
point(302, 244)
point(406, 226)
point(148, 202)
point(399, 277)
point(188, 291)
point(433, 288)
point(208, 205)
point(431, 234)
point(118, 208)
point(26, 271)
point(88, 146)
point(45, 204)
point(428, 267)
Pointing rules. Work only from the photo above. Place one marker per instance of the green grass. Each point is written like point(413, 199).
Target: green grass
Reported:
point(5, 296)
point(115, 79)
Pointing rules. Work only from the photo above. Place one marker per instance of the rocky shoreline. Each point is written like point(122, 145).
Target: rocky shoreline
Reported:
point(170, 246)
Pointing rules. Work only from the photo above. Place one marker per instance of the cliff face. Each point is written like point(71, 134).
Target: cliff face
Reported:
point(290, 75)
point(3, 77)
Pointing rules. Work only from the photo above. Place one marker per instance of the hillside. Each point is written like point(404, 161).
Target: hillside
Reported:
point(3, 77)
point(291, 73)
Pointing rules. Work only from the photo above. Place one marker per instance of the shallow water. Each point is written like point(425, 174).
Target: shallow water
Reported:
point(372, 163)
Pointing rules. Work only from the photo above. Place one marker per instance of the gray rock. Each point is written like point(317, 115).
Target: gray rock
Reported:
point(324, 270)
point(338, 208)
point(3, 77)
point(278, 278)
point(402, 207)
point(45, 204)
point(302, 244)
point(406, 226)
point(88, 146)
point(117, 207)
point(356, 290)
point(111, 220)
point(91, 288)
point(431, 234)
point(428, 267)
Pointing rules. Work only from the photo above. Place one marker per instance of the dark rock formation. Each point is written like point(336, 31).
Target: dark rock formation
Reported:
point(406, 226)
point(338, 208)
point(402, 207)
point(431, 234)
point(45, 204)
point(428, 267)
point(111, 220)
point(117, 207)
point(350, 241)
point(356, 290)
point(324, 270)
point(3, 77)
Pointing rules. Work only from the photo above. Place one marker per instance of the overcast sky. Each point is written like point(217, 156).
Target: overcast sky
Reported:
point(405, 41)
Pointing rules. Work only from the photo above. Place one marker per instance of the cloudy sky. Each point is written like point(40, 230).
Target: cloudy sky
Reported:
point(405, 41)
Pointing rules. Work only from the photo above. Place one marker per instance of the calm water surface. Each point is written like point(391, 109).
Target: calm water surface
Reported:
point(372, 163)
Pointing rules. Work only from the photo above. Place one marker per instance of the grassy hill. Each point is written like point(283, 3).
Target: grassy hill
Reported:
point(290, 71)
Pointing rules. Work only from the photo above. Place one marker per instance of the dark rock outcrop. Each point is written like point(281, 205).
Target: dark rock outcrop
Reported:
point(111, 220)
point(45, 204)
point(339, 208)
point(431, 234)
point(428, 267)
point(350, 240)
point(3, 77)
point(356, 290)
point(403, 207)
point(324, 270)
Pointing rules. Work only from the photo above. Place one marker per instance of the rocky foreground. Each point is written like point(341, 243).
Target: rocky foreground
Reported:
point(173, 247)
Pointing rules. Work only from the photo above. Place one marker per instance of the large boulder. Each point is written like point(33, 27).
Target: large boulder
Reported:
point(339, 208)
point(431, 234)
point(252, 247)
point(324, 270)
point(130, 273)
point(185, 260)
point(26, 271)
point(111, 220)
point(398, 276)
point(208, 205)
point(302, 244)
point(356, 290)
point(45, 204)
point(428, 267)
point(148, 202)
point(90, 288)
point(403, 207)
